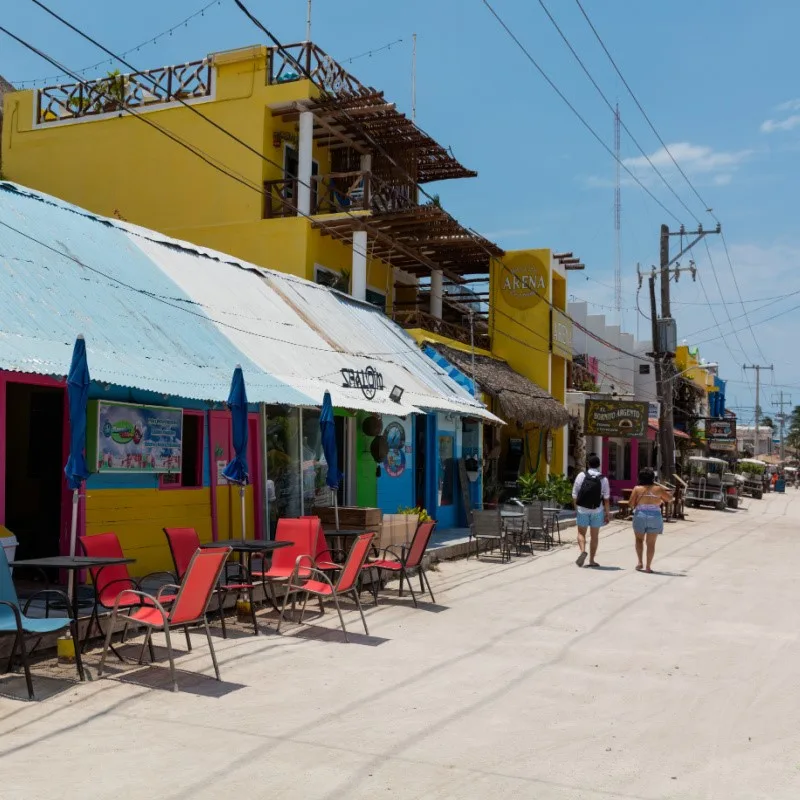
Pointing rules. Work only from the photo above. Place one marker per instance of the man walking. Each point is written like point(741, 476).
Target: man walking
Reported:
point(591, 495)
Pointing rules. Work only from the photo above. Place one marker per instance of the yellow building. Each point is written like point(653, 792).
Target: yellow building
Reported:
point(517, 354)
point(314, 177)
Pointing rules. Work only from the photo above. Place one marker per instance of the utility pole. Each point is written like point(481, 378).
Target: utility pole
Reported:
point(666, 422)
point(782, 419)
point(757, 368)
point(657, 364)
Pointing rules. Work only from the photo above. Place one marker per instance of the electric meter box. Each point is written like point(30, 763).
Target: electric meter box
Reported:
point(667, 335)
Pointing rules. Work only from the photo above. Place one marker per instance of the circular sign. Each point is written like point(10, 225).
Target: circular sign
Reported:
point(524, 280)
point(395, 435)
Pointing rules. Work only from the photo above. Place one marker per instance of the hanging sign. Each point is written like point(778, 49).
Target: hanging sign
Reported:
point(131, 438)
point(369, 380)
point(721, 433)
point(620, 418)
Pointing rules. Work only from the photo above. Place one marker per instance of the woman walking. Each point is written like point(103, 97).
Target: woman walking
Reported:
point(646, 500)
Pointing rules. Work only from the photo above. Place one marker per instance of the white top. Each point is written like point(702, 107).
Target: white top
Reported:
point(605, 489)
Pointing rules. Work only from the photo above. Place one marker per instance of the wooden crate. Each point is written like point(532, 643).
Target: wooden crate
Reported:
point(350, 517)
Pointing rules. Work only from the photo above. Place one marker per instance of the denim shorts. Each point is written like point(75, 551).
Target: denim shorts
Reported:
point(592, 519)
point(646, 520)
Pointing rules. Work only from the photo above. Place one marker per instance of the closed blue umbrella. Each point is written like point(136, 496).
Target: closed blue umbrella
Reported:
point(327, 427)
point(78, 398)
point(236, 471)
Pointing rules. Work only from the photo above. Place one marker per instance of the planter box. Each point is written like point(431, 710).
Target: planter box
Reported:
point(397, 529)
point(350, 517)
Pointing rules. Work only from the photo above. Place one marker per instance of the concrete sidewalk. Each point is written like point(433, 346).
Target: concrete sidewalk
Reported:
point(533, 679)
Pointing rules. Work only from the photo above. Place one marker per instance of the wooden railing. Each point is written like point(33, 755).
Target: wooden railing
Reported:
point(294, 62)
point(335, 193)
point(116, 92)
point(415, 318)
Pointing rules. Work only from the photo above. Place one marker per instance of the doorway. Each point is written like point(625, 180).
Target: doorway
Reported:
point(421, 462)
point(34, 480)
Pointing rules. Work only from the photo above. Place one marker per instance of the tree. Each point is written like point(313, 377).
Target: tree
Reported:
point(767, 422)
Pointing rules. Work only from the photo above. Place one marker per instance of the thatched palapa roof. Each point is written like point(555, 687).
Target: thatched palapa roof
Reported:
point(520, 399)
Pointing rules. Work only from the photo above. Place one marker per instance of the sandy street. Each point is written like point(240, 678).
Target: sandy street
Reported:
point(530, 680)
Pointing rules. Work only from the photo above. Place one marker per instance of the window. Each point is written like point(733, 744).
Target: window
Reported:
point(377, 299)
point(191, 474)
point(644, 369)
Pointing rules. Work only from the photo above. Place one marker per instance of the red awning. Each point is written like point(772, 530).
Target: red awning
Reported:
point(652, 423)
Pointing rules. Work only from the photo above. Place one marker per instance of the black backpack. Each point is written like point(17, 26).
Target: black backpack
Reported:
point(590, 495)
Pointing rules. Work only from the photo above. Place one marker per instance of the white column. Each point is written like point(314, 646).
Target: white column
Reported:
point(359, 277)
point(304, 159)
point(436, 293)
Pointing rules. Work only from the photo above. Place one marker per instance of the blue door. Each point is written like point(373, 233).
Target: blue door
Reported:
point(446, 494)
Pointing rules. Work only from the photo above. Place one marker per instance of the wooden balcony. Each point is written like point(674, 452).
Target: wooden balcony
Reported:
point(415, 318)
point(336, 193)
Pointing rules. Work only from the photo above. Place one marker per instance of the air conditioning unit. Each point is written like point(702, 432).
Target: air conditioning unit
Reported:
point(667, 335)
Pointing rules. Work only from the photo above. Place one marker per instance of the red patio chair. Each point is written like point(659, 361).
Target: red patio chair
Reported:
point(189, 608)
point(302, 534)
point(113, 582)
point(405, 561)
point(183, 544)
point(320, 585)
point(321, 551)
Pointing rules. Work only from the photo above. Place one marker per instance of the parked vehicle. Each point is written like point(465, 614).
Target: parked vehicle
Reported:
point(705, 483)
point(753, 471)
point(732, 487)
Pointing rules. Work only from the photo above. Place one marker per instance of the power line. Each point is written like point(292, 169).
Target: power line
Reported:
point(371, 53)
point(614, 111)
point(708, 209)
point(739, 293)
point(571, 107)
point(135, 49)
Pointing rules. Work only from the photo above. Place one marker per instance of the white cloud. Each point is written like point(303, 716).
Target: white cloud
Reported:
point(789, 105)
point(783, 123)
point(694, 158)
point(705, 164)
point(772, 125)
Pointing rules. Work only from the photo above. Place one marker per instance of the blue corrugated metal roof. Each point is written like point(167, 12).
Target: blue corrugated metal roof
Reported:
point(64, 272)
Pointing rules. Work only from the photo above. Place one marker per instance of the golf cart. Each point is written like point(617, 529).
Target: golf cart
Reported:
point(705, 483)
point(752, 470)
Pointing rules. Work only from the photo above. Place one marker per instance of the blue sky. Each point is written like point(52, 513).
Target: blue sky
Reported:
point(717, 78)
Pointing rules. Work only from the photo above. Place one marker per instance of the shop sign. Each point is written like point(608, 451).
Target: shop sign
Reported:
point(621, 418)
point(721, 432)
point(523, 281)
point(369, 380)
point(561, 334)
point(124, 437)
point(654, 411)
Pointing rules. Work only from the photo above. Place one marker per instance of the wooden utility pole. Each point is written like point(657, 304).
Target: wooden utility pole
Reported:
point(757, 368)
point(782, 419)
point(657, 356)
point(666, 422)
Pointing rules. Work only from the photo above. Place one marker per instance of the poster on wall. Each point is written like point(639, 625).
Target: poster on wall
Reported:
point(616, 418)
point(124, 437)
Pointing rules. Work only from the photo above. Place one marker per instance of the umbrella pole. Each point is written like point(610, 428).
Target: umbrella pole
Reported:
point(244, 519)
point(335, 507)
point(72, 538)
